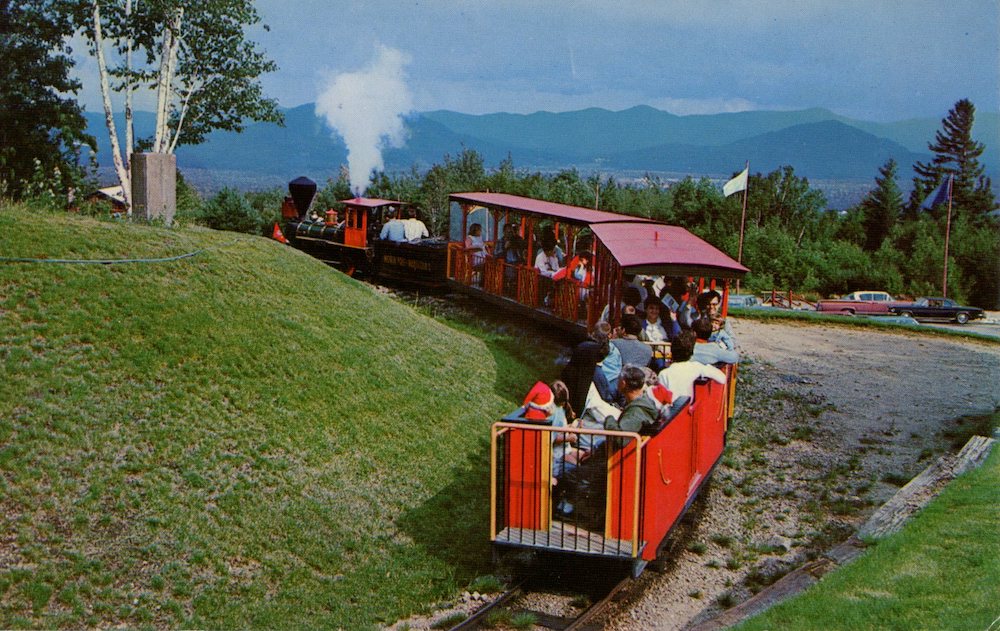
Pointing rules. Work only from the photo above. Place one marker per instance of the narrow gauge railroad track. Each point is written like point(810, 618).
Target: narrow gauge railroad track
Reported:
point(602, 594)
point(580, 622)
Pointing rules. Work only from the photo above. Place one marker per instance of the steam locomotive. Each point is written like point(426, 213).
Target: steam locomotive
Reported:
point(348, 239)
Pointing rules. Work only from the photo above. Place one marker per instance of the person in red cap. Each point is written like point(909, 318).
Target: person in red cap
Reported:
point(539, 403)
point(551, 403)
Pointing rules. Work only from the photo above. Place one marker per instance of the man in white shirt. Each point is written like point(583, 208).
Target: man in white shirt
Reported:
point(680, 375)
point(547, 263)
point(413, 228)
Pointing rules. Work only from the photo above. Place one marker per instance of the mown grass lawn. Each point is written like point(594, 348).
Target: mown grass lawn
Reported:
point(942, 571)
point(243, 438)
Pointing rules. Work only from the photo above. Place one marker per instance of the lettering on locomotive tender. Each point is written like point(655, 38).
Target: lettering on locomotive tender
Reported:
point(391, 259)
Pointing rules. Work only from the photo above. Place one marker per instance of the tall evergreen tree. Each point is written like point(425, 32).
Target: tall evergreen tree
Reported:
point(956, 153)
point(881, 207)
point(41, 128)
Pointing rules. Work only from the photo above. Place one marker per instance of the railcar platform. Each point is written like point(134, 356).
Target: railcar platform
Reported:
point(567, 538)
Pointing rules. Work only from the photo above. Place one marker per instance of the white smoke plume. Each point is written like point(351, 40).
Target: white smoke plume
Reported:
point(367, 107)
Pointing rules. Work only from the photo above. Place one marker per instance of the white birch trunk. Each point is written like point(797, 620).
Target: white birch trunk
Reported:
point(129, 128)
point(161, 90)
point(180, 119)
point(170, 137)
point(116, 155)
point(168, 61)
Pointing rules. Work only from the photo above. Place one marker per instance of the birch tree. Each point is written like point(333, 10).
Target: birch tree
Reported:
point(193, 54)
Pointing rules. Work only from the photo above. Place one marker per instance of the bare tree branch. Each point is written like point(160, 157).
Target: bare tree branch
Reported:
point(196, 85)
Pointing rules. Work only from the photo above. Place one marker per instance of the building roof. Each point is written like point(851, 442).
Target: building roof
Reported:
point(115, 193)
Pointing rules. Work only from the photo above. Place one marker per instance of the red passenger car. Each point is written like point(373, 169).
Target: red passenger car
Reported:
point(626, 496)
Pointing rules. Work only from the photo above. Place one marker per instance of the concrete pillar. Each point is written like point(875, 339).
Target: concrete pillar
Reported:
point(154, 186)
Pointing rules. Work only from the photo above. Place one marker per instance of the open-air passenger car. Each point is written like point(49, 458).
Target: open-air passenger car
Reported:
point(623, 500)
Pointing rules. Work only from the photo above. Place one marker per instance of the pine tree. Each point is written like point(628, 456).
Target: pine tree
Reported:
point(881, 207)
point(42, 128)
point(956, 153)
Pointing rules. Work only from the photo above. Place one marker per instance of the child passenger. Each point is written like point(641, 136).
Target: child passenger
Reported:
point(551, 403)
point(474, 243)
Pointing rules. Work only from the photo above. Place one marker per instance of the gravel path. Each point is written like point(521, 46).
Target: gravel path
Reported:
point(836, 419)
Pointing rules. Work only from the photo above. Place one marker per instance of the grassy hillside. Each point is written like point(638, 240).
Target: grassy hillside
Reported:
point(239, 438)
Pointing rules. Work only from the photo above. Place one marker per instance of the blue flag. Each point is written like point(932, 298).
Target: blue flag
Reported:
point(939, 195)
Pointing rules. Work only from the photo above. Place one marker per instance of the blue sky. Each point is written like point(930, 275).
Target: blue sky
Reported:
point(877, 60)
point(873, 59)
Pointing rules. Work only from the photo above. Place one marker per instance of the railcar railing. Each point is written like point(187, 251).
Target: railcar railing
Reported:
point(546, 493)
point(599, 492)
point(565, 298)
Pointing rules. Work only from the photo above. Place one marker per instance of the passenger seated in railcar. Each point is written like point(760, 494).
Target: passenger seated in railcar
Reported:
point(676, 295)
point(394, 228)
point(551, 403)
point(414, 229)
point(683, 371)
point(608, 369)
point(654, 329)
point(510, 246)
point(633, 350)
point(475, 245)
point(546, 262)
point(708, 352)
point(641, 412)
point(578, 270)
point(578, 374)
point(631, 304)
point(710, 307)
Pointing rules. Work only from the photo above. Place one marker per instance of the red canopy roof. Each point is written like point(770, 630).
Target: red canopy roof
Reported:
point(370, 202)
point(655, 248)
point(562, 212)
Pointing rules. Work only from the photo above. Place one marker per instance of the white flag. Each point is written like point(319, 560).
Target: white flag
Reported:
point(737, 184)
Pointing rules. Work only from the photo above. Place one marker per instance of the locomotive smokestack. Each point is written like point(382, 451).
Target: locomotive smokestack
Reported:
point(302, 190)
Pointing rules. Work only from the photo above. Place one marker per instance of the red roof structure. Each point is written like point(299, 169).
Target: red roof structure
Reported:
point(656, 248)
point(527, 205)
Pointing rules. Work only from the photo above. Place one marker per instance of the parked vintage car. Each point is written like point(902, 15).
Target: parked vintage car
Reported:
point(744, 301)
point(858, 303)
point(936, 308)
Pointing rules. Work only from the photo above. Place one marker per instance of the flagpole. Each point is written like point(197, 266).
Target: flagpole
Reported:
point(947, 235)
point(743, 221)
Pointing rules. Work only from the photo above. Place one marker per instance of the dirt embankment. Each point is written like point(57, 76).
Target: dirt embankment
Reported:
point(830, 422)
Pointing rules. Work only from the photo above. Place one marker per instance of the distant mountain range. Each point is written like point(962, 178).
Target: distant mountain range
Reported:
point(819, 144)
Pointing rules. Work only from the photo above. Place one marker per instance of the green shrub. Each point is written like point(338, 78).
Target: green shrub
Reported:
point(229, 210)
